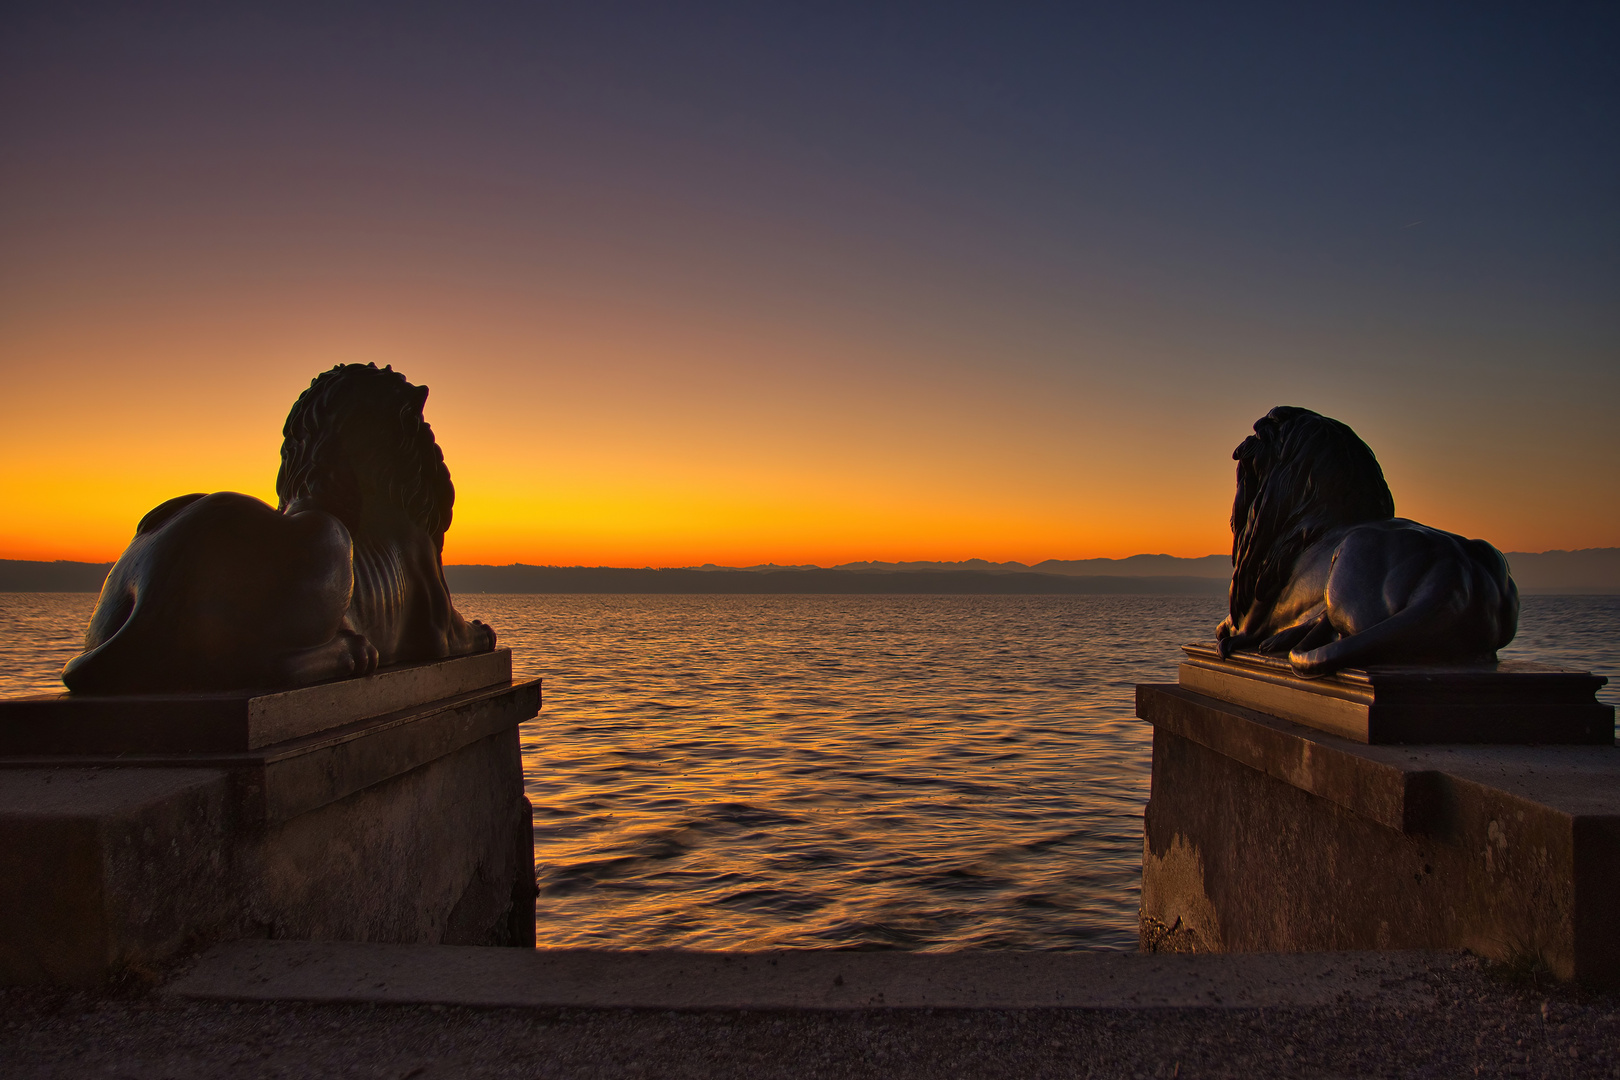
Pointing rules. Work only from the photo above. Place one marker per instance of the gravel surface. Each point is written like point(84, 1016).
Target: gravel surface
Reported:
point(1482, 1022)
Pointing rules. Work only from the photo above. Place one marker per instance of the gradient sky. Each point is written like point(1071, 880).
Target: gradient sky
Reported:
point(765, 282)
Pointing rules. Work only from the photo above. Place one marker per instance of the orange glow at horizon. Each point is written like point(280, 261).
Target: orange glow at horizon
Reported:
point(743, 286)
point(582, 444)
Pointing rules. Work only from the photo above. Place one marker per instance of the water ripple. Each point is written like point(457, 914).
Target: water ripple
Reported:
point(873, 772)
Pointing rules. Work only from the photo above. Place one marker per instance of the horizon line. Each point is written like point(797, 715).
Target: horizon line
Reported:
point(710, 566)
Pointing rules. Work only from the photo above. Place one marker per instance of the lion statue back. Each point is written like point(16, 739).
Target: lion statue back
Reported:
point(222, 591)
point(1324, 571)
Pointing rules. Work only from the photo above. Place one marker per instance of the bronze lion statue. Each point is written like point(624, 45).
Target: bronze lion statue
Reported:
point(221, 592)
point(1324, 571)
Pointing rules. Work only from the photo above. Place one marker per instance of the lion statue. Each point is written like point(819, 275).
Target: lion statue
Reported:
point(221, 592)
point(1324, 571)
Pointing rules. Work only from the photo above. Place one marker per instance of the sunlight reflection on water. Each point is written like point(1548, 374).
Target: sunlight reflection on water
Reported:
point(909, 772)
point(921, 772)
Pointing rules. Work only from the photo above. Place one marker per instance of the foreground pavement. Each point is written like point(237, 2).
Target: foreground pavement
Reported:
point(277, 1009)
point(793, 978)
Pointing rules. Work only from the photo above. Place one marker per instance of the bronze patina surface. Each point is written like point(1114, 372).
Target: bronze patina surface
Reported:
point(222, 592)
point(1324, 572)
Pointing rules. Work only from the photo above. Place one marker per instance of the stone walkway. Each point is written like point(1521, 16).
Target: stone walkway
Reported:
point(795, 978)
point(1403, 1015)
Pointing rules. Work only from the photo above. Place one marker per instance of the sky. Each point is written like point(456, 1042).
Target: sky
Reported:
point(746, 283)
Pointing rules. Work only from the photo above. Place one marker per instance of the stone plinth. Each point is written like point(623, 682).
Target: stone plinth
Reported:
point(88, 724)
point(1263, 835)
point(383, 809)
point(796, 979)
point(1510, 702)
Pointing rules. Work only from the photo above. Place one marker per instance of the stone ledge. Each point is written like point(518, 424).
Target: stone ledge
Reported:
point(91, 859)
point(1512, 702)
point(189, 723)
point(89, 794)
point(1262, 835)
point(1401, 787)
point(794, 979)
point(280, 782)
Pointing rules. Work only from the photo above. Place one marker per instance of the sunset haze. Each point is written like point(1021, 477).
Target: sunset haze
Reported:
point(743, 284)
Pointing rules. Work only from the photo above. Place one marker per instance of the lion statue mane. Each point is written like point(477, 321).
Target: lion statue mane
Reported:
point(1324, 571)
point(222, 592)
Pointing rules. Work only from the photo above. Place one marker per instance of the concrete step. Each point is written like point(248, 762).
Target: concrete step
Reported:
point(798, 979)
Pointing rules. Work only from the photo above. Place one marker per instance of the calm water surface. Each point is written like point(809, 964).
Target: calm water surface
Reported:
point(863, 771)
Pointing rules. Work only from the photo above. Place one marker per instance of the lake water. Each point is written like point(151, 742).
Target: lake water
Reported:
point(927, 772)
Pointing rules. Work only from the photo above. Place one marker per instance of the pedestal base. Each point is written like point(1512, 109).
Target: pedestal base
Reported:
point(1510, 702)
point(1265, 836)
point(408, 827)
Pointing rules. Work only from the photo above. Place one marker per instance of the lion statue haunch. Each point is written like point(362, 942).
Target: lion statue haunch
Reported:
point(221, 592)
point(1324, 571)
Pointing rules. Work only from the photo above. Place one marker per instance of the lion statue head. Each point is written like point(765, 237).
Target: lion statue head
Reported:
point(1300, 475)
point(355, 443)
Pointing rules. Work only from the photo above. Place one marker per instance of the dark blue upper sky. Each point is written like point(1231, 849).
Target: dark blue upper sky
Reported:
point(1387, 211)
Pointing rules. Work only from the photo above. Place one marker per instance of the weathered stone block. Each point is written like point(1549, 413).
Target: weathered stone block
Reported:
point(1262, 835)
point(443, 854)
point(108, 868)
point(410, 826)
point(225, 722)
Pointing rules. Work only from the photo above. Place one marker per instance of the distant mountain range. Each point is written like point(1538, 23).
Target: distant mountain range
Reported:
point(606, 579)
point(1593, 570)
point(1206, 566)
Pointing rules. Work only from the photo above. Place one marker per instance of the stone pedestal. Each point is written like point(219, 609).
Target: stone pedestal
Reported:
point(382, 809)
point(1511, 702)
point(1267, 835)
